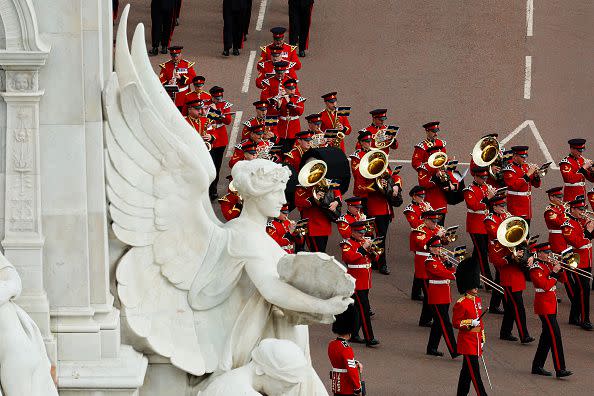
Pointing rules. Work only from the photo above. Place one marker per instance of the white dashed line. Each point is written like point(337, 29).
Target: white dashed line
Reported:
point(234, 132)
point(528, 77)
point(248, 72)
point(261, 14)
point(529, 17)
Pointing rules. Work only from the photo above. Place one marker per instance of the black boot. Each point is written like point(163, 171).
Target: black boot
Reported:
point(235, 52)
point(154, 51)
point(434, 352)
point(384, 270)
point(541, 371)
point(564, 373)
point(226, 52)
point(163, 49)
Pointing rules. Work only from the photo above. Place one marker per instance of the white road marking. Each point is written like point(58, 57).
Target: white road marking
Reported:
point(248, 72)
point(409, 161)
point(528, 77)
point(234, 132)
point(529, 17)
point(261, 14)
point(541, 144)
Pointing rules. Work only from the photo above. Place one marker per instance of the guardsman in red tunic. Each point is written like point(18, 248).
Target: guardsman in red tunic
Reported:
point(420, 154)
point(544, 276)
point(345, 373)
point(290, 107)
point(303, 144)
point(231, 203)
point(332, 120)
point(220, 133)
point(273, 88)
point(378, 125)
point(440, 274)
point(578, 233)
point(314, 121)
point(266, 69)
point(357, 255)
point(289, 52)
point(378, 205)
point(177, 71)
point(467, 318)
point(476, 196)
point(254, 142)
point(196, 117)
point(575, 170)
point(260, 118)
point(412, 213)
point(354, 213)
point(197, 94)
point(520, 177)
point(511, 275)
point(418, 241)
point(282, 230)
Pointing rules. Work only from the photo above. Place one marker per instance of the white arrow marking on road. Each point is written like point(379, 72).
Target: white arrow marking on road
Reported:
point(536, 134)
point(234, 131)
point(260, 21)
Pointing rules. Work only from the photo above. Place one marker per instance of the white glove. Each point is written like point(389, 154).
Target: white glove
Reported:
point(475, 323)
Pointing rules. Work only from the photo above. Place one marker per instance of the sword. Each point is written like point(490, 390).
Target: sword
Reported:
point(486, 371)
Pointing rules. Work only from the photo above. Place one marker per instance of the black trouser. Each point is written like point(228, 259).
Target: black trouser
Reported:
point(233, 20)
point(514, 311)
point(361, 298)
point(161, 24)
point(442, 326)
point(417, 288)
point(470, 372)
point(247, 18)
point(550, 339)
point(426, 314)
point(580, 306)
point(572, 289)
point(178, 4)
point(479, 253)
point(316, 243)
point(216, 153)
point(382, 223)
point(496, 297)
point(286, 144)
point(299, 21)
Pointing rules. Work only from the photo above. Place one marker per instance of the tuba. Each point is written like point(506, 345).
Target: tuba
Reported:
point(512, 232)
point(439, 160)
point(313, 174)
point(486, 151)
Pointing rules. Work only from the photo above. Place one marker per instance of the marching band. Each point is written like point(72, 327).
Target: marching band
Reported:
point(498, 203)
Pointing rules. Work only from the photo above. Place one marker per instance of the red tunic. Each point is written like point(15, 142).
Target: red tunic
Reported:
point(470, 338)
point(239, 155)
point(265, 68)
point(554, 216)
point(374, 130)
point(195, 95)
point(293, 157)
point(545, 297)
point(440, 276)
point(319, 224)
point(573, 232)
point(288, 116)
point(574, 177)
point(519, 189)
point(279, 231)
point(413, 215)
point(230, 205)
point(220, 127)
point(358, 262)
point(418, 239)
point(289, 54)
point(330, 120)
point(434, 194)
point(344, 224)
point(377, 204)
point(475, 196)
point(420, 155)
point(185, 70)
point(201, 126)
point(344, 373)
point(500, 256)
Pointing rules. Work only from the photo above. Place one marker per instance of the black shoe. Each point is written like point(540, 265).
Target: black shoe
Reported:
point(527, 340)
point(154, 51)
point(235, 52)
point(434, 352)
point(455, 355)
point(574, 321)
point(225, 52)
point(563, 373)
point(541, 371)
point(426, 324)
point(302, 54)
point(508, 337)
point(417, 298)
point(163, 50)
point(586, 326)
point(357, 340)
point(496, 311)
point(384, 270)
point(372, 343)
point(558, 299)
point(213, 197)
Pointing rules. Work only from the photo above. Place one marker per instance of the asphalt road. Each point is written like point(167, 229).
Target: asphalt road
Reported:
point(465, 64)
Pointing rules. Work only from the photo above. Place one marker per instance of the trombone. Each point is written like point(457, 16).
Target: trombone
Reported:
point(457, 256)
point(570, 265)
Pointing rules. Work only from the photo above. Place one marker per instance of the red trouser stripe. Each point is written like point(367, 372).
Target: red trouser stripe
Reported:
point(312, 245)
point(362, 316)
point(444, 331)
point(518, 322)
point(472, 376)
point(553, 344)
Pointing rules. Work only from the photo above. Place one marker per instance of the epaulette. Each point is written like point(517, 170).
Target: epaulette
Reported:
point(420, 229)
point(263, 48)
point(421, 145)
point(341, 219)
point(248, 123)
point(162, 65)
point(549, 207)
point(345, 343)
point(261, 64)
point(356, 154)
point(292, 64)
point(534, 265)
point(468, 188)
point(265, 82)
point(301, 99)
point(345, 242)
point(443, 142)
point(489, 217)
point(567, 223)
point(408, 207)
point(422, 166)
point(288, 154)
point(461, 299)
point(566, 160)
point(238, 146)
point(190, 64)
point(293, 47)
point(508, 167)
point(269, 224)
point(227, 105)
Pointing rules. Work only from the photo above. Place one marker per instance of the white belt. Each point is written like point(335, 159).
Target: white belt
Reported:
point(587, 246)
point(544, 291)
point(337, 370)
point(554, 231)
point(215, 126)
point(520, 193)
point(184, 88)
point(580, 184)
point(483, 212)
point(439, 282)
point(423, 254)
point(291, 118)
point(355, 266)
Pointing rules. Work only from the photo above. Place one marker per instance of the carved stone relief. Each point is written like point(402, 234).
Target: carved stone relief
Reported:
point(21, 81)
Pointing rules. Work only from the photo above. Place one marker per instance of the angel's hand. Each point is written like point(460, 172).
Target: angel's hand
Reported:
point(335, 305)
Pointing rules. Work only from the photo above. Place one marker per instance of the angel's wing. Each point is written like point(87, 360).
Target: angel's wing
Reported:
point(158, 172)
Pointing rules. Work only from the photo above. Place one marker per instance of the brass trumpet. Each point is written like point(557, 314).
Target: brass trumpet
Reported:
point(455, 257)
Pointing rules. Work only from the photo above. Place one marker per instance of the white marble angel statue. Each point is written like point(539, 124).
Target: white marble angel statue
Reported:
point(192, 289)
point(276, 367)
point(24, 366)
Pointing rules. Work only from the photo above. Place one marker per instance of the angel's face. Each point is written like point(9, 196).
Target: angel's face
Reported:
point(271, 203)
